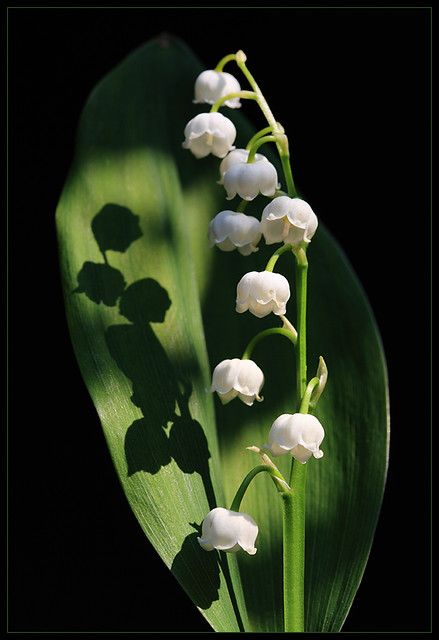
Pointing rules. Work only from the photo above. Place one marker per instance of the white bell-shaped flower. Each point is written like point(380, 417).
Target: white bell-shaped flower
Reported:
point(231, 230)
point(212, 85)
point(262, 292)
point(288, 220)
point(299, 434)
point(242, 378)
point(228, 531)
point(249, 179)
point(209, 133)
point(237, 156)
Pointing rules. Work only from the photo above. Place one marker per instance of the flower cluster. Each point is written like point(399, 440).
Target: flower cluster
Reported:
point(285, 219)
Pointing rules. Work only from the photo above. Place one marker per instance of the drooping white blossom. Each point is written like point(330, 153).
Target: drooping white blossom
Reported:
point(299, 434)
point(209, 133)
point(228, 531)
point(237, 156)
point(262, 292)
point(231, 230)
point(237, 378)
point(248, 179)
point(212, 85)
point(288, 220)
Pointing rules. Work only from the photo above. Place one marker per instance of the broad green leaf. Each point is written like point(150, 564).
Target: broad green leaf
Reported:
point(145, 295)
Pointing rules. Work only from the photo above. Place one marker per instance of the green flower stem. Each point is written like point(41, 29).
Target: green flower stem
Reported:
point(259, 134)
point(264, 334)
point(259, 143)
point(276, 128)
point(274, 472)
point(222, 63)
point(240, 61)
point(304, 405)
point(285, 160)
point(294, 503)
point(294, 551)
point(301, 287)
point(275, 257)
point(242, 206)
point(247, 95)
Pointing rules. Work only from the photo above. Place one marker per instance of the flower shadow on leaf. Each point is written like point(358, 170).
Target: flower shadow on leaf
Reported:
point(100, 283)
point(191, 558)
point(158, 390)
point(115, 228)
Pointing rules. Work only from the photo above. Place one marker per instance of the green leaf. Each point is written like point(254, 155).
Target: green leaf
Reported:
point(140, 282)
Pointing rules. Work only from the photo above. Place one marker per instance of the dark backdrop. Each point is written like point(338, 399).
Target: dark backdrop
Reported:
point(351, 85)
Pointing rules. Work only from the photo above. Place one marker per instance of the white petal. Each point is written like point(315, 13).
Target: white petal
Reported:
point(274, 230)
point(224, 375)
point(295, 236)
point(282, 436)
point(259, 309)
point(221, 146)
point(212, 85)
point(241, 307)
point(247, 249)
point(249, 400)
point(277, 208)
point(301, 454)
point(248, 180)
point(205, 544)
point(240, 229)
point(267, 179)
point(301, 434)
point(198, 146)
point(299, 212)
point(226, 245)
point(249, 379)
point(271, 286)
point(245, 286)
point(237, 156)
point(220, 226)
point(228, 396)
point(209, 133)
point(228, 531)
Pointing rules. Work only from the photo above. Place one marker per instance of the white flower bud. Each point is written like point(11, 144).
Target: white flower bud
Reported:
point(231, 230)
point(299, 434)
point(228, 531)
point(242, 378)
point(249, 179)
point(237, 156)
point(262, 292)
point(209, 133)
point(212, 85)
point(288, 220)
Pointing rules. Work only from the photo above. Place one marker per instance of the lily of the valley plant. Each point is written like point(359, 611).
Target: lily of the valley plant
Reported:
point(289, 220)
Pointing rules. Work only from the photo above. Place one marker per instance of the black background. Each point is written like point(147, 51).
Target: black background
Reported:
point(351, 87)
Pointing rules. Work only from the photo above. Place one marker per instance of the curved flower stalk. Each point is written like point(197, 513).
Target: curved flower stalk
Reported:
point(290, 220)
